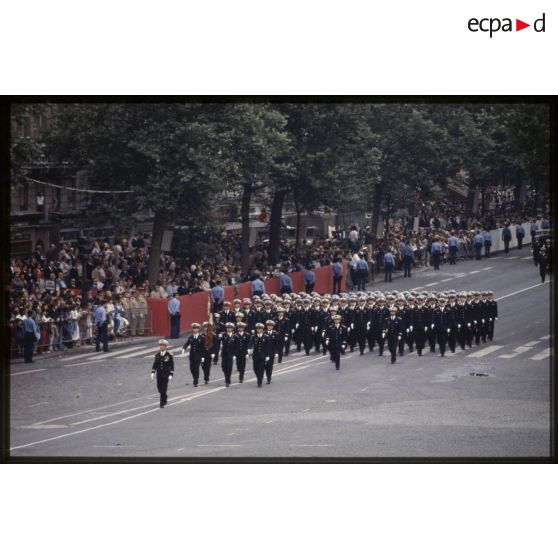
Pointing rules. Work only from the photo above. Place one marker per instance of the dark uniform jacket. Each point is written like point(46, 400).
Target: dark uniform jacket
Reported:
point(443, 320)
point(337, 337)
point(273, 343)
point(163, 365)
point(422, 319)
point(392, 327)
point(242, 342)
point(283, 327)
point(197, 346)
point(260, 347)
point(228, 345)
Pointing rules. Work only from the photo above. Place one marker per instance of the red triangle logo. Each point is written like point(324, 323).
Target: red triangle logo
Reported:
point(519, 25)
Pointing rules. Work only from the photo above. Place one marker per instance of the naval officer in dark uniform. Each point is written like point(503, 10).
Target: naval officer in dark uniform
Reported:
point(163, 367)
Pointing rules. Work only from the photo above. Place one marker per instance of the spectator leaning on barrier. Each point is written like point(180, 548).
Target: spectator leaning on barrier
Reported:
point(520, 235)
point(337, 275)
point(506, 237)
point(389, 263)
point(309, 280)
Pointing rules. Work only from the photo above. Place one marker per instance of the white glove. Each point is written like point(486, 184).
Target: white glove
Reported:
point(425, 328)
point(407, 330)
point(213, 355)
point(495, 318)
point(483, 320)
point(475, 322)
point(384, 335)
point(368, 324)
point(352, 326)
point(183, 351)
point(327, 342)
point(368, 327)
point(411, 328)
point(296, 327)
point(276, 355)
point(458, 326)
point(432, 326)
point(203, 359)
point(399, 337)
point(448, 329)
point(170, 377)
point(234, 359)
point(152, 375)
point(266, 359)
point(286, 337)
point(249, 351)
point(469, 324)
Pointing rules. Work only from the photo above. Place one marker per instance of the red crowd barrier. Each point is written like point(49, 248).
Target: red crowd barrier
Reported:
point(193, 308)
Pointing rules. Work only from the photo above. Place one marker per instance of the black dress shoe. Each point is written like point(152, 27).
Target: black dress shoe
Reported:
point(161, 405)
point(337, 368)
point(206, 382)
point(268, 381)
point(259, 384)
point(195, 385)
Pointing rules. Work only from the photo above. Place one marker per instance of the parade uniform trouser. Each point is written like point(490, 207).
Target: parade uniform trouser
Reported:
point(420, 340)
point(336, 357)
point(28, 344)
point(477, 329)
point(392, 347)
point(484, 330)
point(280, 348)
point(361, 340)
point(431, 336)
point(317, 338)
point(381, 342)
point(452, 338)
point(490, 328)
point(307, 340)
point(287, 345)
point(371, 338)
point(269, 368)
point(469, 334)
point(175, 326)
point(336, 285)
point(241, 366)
point(297, 337)
point(226, 367)
point(461, 336)
point(206, 367)
point(442, 338)
point(519, 242)
point(351, 335)
point(195, 369)
point(401, 344)
point(162, 384)
point(259, 367)
point(410, 339)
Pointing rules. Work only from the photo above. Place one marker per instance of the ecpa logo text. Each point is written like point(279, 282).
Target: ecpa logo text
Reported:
point(493, 25)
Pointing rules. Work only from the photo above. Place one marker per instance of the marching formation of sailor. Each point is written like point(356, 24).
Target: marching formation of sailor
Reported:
point(265, 328)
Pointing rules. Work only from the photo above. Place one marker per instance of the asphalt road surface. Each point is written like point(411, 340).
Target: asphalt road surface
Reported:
point(488, 401)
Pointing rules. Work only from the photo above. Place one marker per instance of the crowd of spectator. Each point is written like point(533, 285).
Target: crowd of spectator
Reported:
point(61, 286)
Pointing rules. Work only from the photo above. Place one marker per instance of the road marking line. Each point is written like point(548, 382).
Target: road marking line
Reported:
point(523, 290)
point(431, 284)
point(153, 350)
point(513, 257)
point(151, 396)
point(93, 419)
point(142, 413)
point(527, 258)
point(531, 343)
point(476, 271)
point(486, 268)
point(28, 372)
point(446, 280)
point(545, 337)
point(310, 445)
point(485, 351)
point(542, 355)
point(517, 351)
point(114, 353)
point(82, 363)
point(219, 445)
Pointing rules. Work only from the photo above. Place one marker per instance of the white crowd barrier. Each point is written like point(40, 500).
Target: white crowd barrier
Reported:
point(498, 243)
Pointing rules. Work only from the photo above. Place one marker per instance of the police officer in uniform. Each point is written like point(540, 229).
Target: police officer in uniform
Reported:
point(259, 349)
point(195, 344)
point(163, 367)
point(336, 340)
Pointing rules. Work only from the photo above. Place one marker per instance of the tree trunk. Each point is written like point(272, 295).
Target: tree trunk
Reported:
point(245, 218)
point(378, 191)
point(297, 232)
point(275, 226)
point(159, 223)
